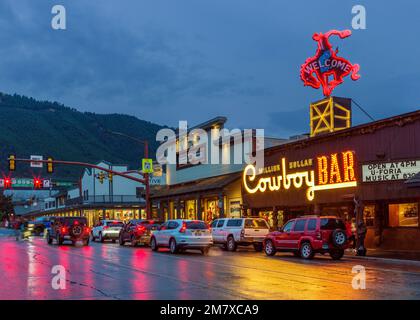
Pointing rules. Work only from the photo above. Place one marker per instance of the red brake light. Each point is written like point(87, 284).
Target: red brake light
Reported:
point(63, 230)
point(87, 229)
point(183, 228)
point(141, 228)
point(76, 223)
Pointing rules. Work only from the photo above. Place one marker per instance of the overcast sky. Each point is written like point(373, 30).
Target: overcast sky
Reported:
point(171, 60)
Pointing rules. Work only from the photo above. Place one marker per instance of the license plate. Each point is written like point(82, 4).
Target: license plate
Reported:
point(197, 233)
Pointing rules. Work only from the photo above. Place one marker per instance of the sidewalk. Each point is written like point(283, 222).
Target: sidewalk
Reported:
point(6, 232)
point(387, 254)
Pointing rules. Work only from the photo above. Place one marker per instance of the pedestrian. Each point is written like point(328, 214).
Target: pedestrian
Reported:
point(352, 230)
point(361, 235)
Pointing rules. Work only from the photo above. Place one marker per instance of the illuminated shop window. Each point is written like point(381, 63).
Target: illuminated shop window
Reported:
point(404, 215)
point(369, 215)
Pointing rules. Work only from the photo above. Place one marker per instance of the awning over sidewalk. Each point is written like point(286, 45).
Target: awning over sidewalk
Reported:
point(197, 186)
point(414, 182)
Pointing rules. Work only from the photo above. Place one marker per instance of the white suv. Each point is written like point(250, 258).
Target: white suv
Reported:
point(234, 232)
point(107, 229)
point(179, 235)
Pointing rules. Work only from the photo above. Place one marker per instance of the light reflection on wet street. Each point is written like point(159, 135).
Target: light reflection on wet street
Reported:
point(108, 271)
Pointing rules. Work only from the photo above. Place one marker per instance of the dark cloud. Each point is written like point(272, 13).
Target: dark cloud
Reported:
point(168, 60)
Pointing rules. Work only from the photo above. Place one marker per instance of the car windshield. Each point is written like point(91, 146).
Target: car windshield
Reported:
point(332, 224)
point(115, 224)
point(255, 224)
point(196, 225)
point(70, 221)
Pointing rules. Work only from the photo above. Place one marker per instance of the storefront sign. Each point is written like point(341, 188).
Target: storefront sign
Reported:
point(326, 69)
point(390, 171)
point(335, 171)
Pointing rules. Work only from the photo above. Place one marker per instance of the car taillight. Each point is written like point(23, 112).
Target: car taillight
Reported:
point(183, 228)
point(63, 230)
point(87, 229)
point(141, 228)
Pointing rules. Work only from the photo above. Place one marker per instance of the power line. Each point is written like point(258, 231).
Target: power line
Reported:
point(363, 110)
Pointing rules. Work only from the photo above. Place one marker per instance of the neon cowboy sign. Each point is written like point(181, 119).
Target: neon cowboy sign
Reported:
point(333, 172)
point(326, 69)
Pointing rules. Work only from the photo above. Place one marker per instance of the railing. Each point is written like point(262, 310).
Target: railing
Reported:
point(105, 199)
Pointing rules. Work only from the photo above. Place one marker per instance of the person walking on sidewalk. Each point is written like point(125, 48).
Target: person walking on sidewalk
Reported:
point(361, 235)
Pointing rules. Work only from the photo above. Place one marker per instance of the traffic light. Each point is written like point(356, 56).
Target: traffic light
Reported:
point(37, 183)
point(50, 166)
point(12, 162)
point(101, 177)
point(110, 176)
point(7, 183)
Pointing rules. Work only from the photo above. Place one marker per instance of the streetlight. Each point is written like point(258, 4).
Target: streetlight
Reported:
point(145, 143)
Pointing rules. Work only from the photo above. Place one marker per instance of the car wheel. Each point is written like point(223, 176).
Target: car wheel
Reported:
point(121, 240)
point(336, 254)
point(258, 247)
point(153, 244)
point(306, 251)
point(59, 240)
point(270, 249)
point(133, 241)
point(172, 246)
point(205, 251)
point(231, 244)
point(101, 238)
point(339, 238)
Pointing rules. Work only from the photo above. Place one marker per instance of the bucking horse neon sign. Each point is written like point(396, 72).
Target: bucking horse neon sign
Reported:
point(326, 69)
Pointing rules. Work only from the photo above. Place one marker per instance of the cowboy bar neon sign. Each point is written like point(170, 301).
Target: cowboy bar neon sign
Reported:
point(332, 173)
point(326, 69)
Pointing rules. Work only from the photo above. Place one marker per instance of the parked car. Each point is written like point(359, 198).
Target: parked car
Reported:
point(180, 235)
point(73, 229)
point(309, 235)
point(138, 232)
point(234, 232)
point(39, 225)
point(107, 229)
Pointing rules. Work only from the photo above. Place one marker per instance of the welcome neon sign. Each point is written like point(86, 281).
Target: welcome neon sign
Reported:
point(326, 69)
point(331, 174)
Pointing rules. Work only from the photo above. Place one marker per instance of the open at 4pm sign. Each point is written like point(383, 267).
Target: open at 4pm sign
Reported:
point(390, 171)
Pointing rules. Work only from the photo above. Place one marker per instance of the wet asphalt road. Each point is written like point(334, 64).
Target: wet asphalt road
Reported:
point(108, 271)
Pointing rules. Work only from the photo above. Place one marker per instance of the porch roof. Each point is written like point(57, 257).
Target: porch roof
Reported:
point(195, 186)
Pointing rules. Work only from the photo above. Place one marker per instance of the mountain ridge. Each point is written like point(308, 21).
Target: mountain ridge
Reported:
point(29, 126)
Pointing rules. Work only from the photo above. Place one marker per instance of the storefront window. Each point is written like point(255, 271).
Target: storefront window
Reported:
point(235, 208)
point(267, 216)
point(190, 208)
point(212, 211)
point(369, 215)
point(404, 215)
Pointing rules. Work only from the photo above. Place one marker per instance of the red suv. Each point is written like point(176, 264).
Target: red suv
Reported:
point(308, 235)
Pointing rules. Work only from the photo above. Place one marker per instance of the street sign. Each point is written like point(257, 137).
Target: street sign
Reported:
point(46, 183)
point(157, 170)
point(35, 164)
point(147, 165)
